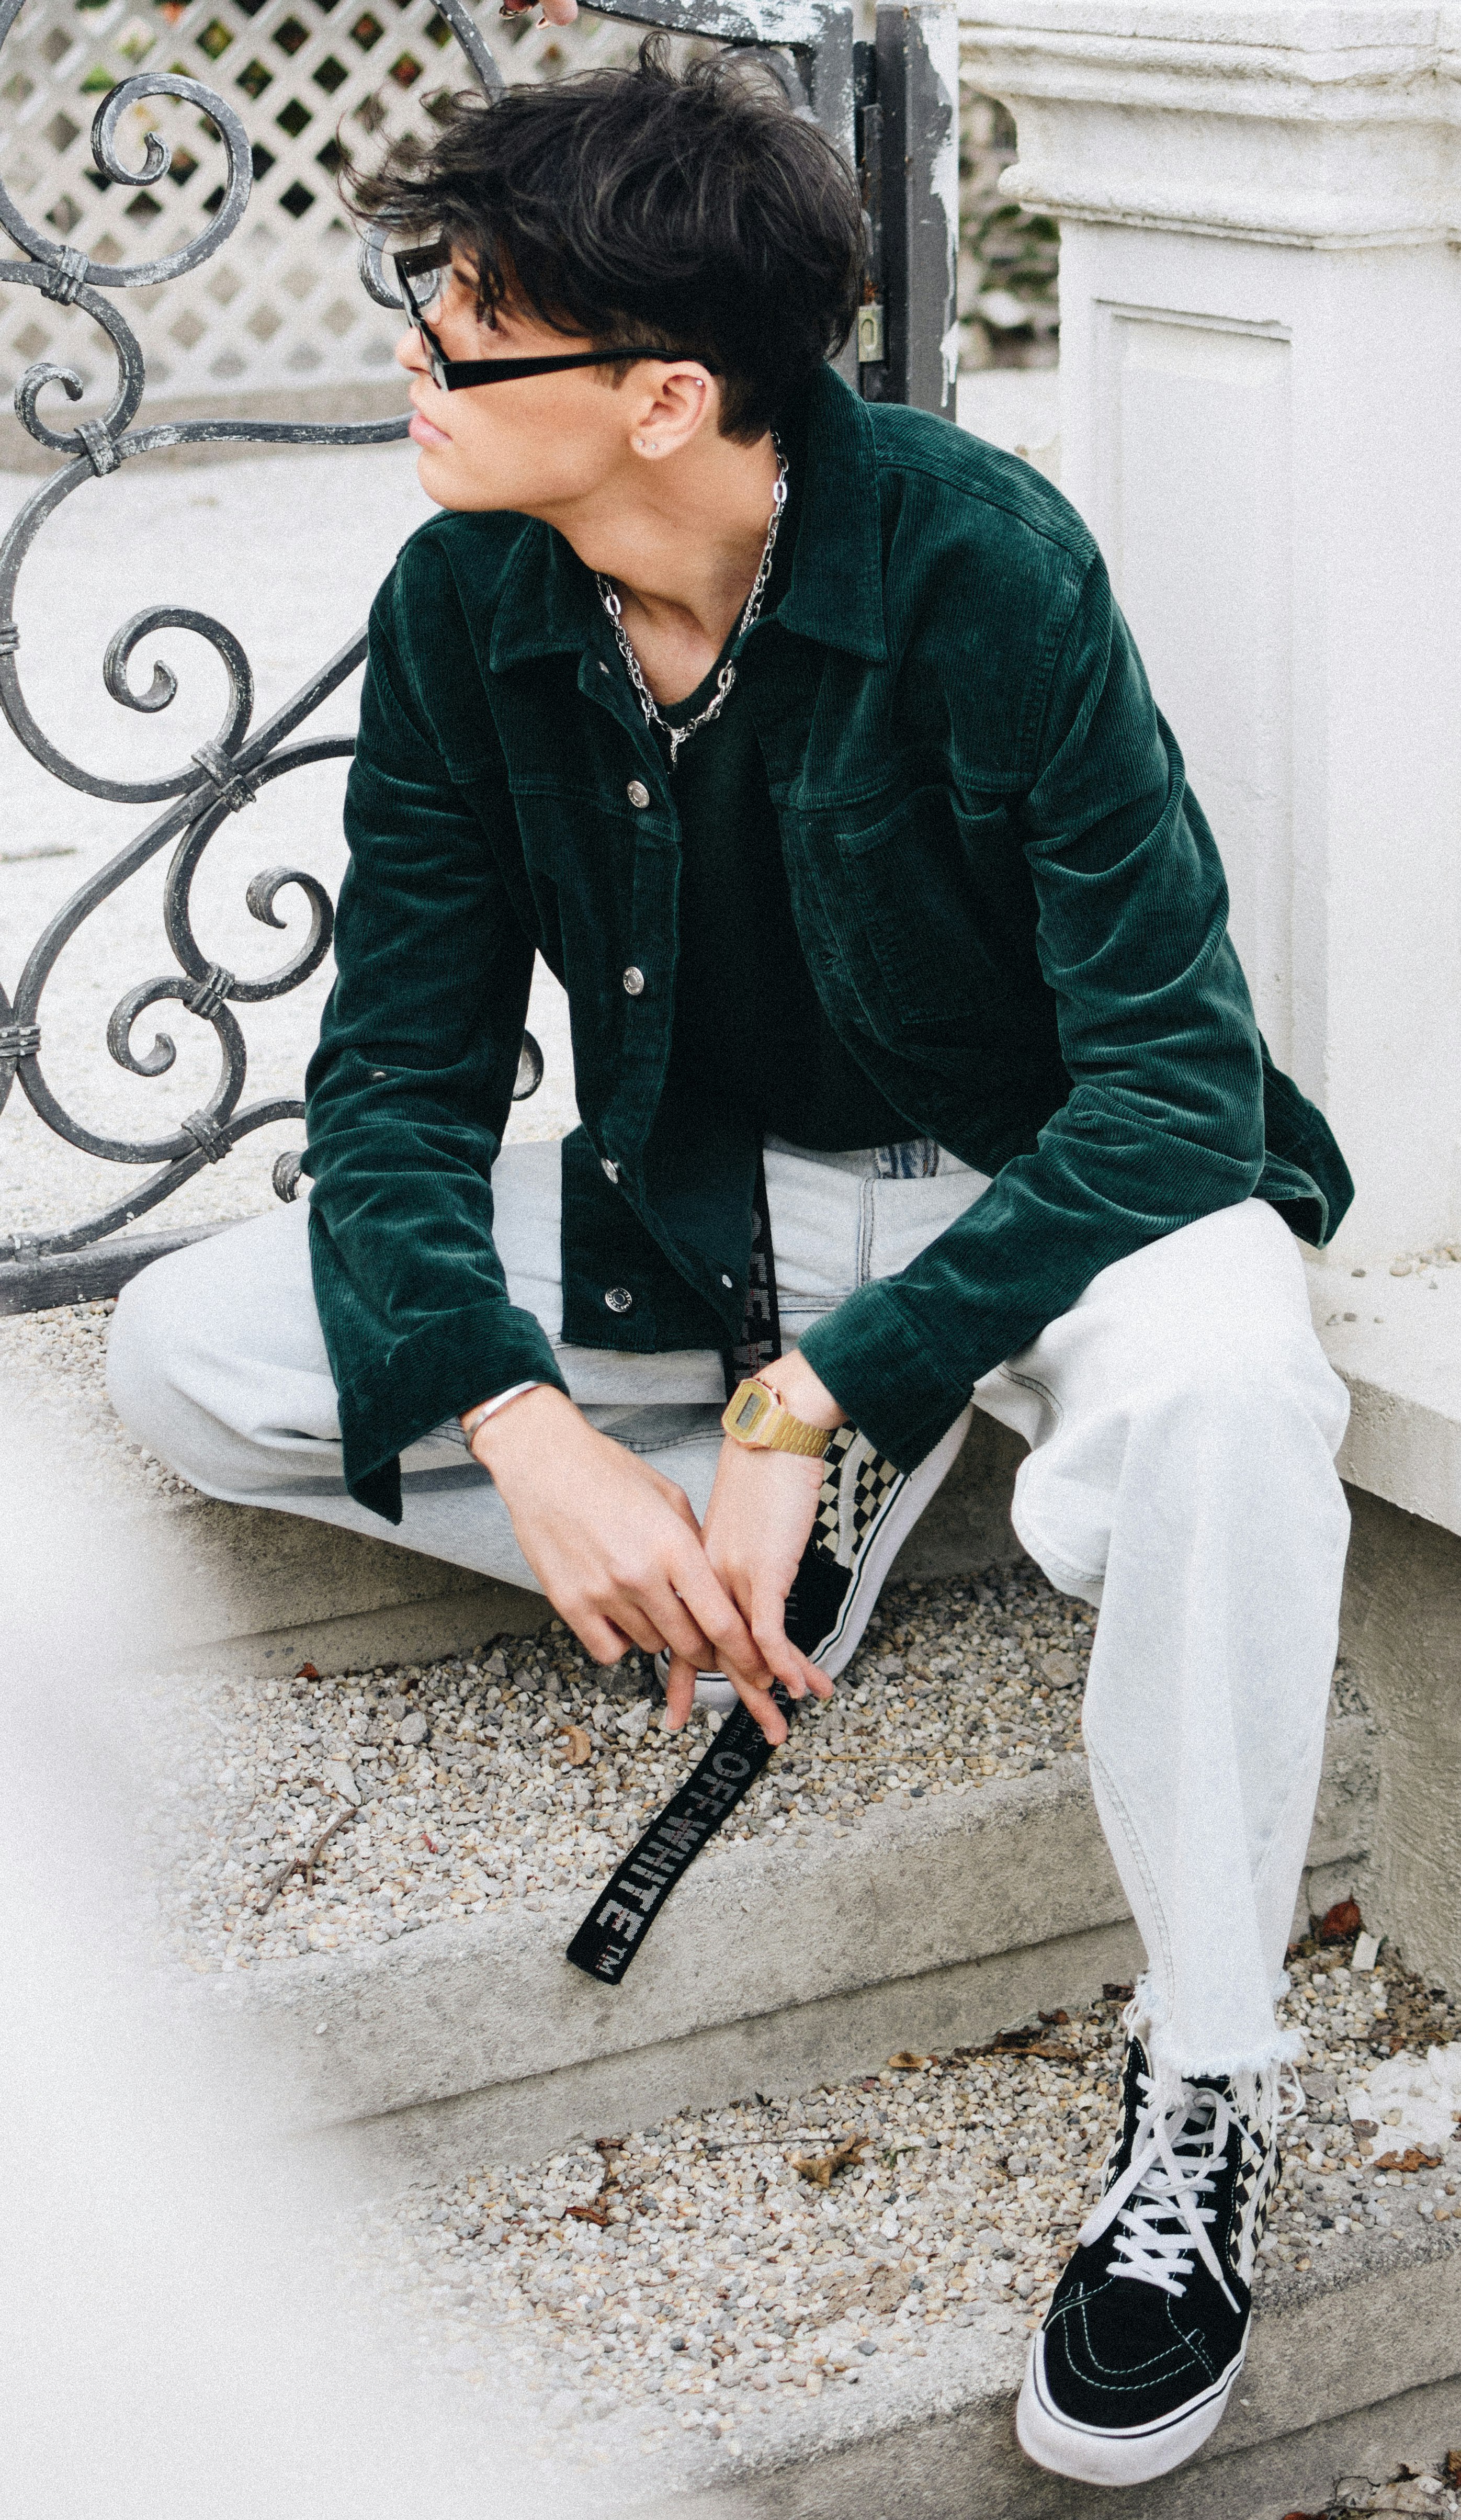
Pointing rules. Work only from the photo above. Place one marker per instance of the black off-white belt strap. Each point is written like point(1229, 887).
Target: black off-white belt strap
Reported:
point(611, 1933)
point(622, 1915)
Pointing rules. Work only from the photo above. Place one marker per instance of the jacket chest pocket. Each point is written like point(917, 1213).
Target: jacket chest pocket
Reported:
point(917, 910)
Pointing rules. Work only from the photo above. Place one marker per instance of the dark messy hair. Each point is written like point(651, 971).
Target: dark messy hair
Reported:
point(694, 210)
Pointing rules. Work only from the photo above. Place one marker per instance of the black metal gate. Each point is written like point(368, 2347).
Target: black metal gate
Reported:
point(891, 104)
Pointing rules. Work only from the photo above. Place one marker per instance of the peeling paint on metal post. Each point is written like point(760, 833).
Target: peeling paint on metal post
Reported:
point(918, 92)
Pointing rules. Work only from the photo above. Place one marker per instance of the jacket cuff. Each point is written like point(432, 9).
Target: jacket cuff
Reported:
point(884, 1369)
point(447, 1366)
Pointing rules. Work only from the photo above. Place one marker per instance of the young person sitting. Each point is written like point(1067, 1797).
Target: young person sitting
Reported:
point(804, 740)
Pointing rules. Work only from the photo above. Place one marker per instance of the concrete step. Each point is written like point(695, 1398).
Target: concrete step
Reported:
point(1344, 2377)
point(929, 1924)
point(737, 2341)
point(777, 1962)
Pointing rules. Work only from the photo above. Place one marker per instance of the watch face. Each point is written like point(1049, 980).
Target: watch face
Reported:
point(753, 1408)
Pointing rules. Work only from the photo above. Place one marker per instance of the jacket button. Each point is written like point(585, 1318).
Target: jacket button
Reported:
point(610, 1168)
point(725, 1281)
point(634, 980)
point(619, 1299)
point(637, 794)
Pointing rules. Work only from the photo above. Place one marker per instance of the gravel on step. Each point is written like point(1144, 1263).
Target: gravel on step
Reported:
point(463, 1785)
point(692, 2278)
point(55, 1366)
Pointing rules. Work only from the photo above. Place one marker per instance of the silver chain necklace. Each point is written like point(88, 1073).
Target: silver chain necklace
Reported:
point(726, 678)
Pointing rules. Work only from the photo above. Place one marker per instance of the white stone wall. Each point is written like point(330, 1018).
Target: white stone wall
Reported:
point(1261, 418)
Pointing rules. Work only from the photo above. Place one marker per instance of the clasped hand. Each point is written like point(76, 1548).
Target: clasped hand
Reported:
point(618, 1551)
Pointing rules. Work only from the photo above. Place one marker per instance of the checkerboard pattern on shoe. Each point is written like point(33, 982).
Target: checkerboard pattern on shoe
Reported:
point(865, 1512)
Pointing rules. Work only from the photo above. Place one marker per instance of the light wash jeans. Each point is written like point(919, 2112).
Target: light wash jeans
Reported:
point(1181, 1420)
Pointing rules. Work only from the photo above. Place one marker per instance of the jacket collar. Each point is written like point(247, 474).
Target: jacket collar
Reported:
point(547, 605)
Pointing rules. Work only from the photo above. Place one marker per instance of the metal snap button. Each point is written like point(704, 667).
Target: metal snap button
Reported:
point(619, 1299)
point(725, 1281)
point(610, 1168)
point(637, 794)
point(634, 980)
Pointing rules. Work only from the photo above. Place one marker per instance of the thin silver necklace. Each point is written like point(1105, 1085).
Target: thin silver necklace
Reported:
point(726, 678)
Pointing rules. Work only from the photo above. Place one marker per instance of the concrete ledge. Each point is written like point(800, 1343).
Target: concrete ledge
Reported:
point(1403, 1641)
point(775, 1965)
point(234, 1587)
point(1351, 2368)
point(1403, 1371)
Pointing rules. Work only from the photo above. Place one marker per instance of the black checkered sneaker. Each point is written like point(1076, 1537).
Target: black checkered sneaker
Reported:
point(1148, 2326)
point(864, 1513)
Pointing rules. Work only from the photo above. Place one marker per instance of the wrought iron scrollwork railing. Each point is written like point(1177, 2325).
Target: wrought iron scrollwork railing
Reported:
point(810, 43)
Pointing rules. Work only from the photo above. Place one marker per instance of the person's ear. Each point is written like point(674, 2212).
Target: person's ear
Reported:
point(684, 402)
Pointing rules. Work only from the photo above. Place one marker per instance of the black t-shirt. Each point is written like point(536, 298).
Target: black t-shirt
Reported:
point(749, 1032)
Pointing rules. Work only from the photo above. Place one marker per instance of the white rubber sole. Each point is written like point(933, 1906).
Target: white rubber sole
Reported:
point(1098, 2456)
point(899, 1515)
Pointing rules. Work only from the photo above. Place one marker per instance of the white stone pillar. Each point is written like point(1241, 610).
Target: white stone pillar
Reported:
point(1260, 419)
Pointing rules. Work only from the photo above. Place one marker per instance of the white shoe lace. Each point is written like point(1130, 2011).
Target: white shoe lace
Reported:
point(1176, 2149)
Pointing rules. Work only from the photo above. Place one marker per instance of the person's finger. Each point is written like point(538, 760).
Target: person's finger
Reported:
point(678, 1502)
point(794, 1669)
point(636, 1623)
point(679, 1697)
point(681, 1632)
point(705, 1597)
point(679, 1693)
point(761, 1703)
point(599, 1637)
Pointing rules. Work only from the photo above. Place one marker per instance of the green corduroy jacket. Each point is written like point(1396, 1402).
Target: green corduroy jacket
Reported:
point(1011, 904)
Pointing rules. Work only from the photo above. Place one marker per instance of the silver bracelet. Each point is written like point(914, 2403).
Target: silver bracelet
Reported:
point(486, 1408)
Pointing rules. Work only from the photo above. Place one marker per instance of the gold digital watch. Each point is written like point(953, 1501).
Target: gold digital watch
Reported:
point(756, 1417)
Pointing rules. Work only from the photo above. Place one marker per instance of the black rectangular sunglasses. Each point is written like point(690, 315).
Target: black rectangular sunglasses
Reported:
point(452, 374)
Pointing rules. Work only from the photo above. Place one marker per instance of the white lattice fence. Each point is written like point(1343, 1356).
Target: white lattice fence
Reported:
point(280, 305)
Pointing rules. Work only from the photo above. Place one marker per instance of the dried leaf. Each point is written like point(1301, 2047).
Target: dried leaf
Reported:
point(1341, 1924)
point(1028, 2042)
point(1450, 2467)
point(906, 2062)
point(881, 2292)
point(306, 1670)
point(588, 2214)
point(580, 1748)
point(1412, 2160)
point(822, 2168)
